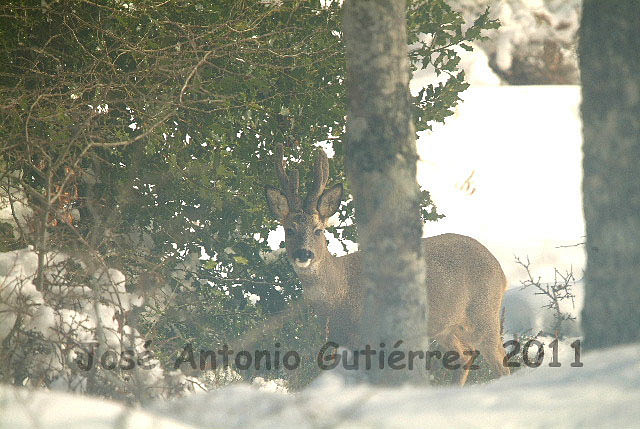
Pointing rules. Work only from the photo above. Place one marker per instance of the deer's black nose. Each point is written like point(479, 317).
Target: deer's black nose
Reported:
point(303, 255)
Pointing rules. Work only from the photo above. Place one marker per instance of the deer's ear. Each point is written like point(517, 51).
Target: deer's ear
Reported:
point(329, 201)
point(277, 202)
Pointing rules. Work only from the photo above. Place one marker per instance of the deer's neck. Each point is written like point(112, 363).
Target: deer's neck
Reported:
point(326, 281)
point(332, 291)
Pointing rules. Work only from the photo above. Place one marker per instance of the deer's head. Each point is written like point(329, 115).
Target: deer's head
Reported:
point(304, 222)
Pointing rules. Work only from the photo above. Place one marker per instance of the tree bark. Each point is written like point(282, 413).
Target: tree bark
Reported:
point(380, 161)
point(610, 67)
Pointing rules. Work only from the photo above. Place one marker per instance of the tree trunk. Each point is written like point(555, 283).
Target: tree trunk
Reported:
point(380, 161)
point(610, 67)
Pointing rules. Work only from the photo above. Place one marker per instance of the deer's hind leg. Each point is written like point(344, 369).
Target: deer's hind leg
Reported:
point(493, 354)
point(490, 349)
point(450, 342)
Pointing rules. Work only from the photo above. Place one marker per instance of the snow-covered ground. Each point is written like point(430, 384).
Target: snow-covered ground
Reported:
point(603, 393)
point(30, 409)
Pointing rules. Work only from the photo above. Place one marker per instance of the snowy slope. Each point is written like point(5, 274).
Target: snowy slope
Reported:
point(26, 409)
point(603, 393)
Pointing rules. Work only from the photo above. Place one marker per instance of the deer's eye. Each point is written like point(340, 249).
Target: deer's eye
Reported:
point(318, 232)
point(290, 231)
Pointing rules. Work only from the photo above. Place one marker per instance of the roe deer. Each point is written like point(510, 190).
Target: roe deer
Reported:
point(464, 281)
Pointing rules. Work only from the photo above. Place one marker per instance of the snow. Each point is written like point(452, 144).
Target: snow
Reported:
point(16, 289)
point(23, 408)
point(89, 317)
point(604, 392)
point(524, 25)
point(16, 215)
point(501, 177)
point(525, 313)
point(523, 198)
point(514, 185)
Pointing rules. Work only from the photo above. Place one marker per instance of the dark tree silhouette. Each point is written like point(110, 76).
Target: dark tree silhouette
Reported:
point(610, 68)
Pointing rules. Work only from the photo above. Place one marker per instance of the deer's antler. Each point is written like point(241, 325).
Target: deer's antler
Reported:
point(288, 182)
point(320, 178)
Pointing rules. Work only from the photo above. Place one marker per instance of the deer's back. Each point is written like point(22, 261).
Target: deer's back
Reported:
point(464, 282)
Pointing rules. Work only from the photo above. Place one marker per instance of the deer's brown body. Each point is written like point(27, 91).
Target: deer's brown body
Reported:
point(464, 281)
